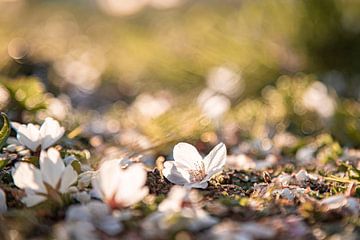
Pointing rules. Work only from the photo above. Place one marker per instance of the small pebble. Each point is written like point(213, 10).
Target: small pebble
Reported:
point(19, 148)
point(12, 156)
point(11, 148)
point(25, 153)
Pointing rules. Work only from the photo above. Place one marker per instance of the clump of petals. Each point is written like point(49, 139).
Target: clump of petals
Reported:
point(52, 175)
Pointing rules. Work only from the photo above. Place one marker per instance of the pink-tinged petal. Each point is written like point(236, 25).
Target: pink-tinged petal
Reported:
point(26, 175)
point(121, 187)
point(174, 174)
point(32, 200)
point(51, 166)
point(50, 132)
point(174, 200)
point(129, 196)
point(131, 188)
point(3, 206)
point(186, 155)
point(216, 158)
point(136, 173)
point(202, 184)
point(108, 178)
point(68, 178)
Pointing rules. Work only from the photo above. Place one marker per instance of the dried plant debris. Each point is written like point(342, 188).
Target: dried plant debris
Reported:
point(59, 194)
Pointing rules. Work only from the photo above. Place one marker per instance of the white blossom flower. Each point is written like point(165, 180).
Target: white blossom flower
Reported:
point(165, 4)
point(305, 155)
point(120, 8)
point(212, 104)
point(317, 98)
point(120, 187)
point(190, 169)
point(151, 106)
point(225, 80)
point(180, 210)
point(82, 71)
point(3, 206)
point(39, 183)
point(57, 107)
point(32, 136)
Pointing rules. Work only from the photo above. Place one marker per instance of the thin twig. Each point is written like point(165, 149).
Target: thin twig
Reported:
point(342, 180)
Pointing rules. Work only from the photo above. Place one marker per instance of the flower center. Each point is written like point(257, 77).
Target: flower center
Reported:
point(197, 174)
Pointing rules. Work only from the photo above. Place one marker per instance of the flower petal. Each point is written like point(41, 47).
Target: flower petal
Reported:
point(28, 135)
point(23, 140)
point(50, 132)
point(33, 132)
point(51, 166)
point(216, 158)
point(26, 175)
point(174, 174)
point(212, 172)
point(136, 173)
point(130, 196)
point(32, 200)
point(202, 184)
point(174, 200)
point(68, 178)
point(131, 192)
point(186, 155)
point(107, 178)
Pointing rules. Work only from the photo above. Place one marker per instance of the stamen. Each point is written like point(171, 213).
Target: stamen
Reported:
point(198, 174)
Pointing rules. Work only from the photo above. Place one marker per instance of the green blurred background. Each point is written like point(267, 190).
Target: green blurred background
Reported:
point(97, 57)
